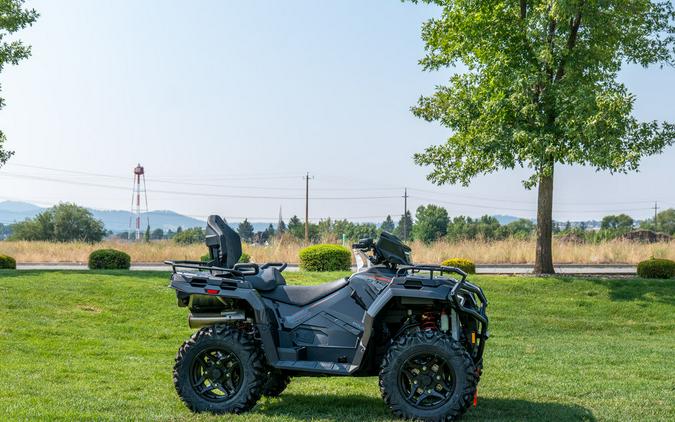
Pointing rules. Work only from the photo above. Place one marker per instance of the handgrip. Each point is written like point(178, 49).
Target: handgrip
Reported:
point(281, 266)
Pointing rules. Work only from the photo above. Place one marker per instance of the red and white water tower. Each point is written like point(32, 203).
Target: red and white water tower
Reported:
point(139, 173)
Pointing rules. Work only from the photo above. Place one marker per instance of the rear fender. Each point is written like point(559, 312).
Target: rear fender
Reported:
point(264, 320)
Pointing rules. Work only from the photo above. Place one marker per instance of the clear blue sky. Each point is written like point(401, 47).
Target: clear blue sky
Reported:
point(253, 94)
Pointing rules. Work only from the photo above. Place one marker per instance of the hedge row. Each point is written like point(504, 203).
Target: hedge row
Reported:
point(109, 259)
point(656, 268)
point(7, 262)
point(325, 258)
point(463, 264)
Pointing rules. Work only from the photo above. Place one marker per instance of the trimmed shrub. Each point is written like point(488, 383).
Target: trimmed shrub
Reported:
point(7, 262)
point(463, 264)
point(245, 258)
point(109, 259)
point(325, 258)
point(656, 268)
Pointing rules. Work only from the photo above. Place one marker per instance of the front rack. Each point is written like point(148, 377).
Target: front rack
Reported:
point(440, 269)
point(462, 286)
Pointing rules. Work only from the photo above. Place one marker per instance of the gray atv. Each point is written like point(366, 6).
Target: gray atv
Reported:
point(420, 328)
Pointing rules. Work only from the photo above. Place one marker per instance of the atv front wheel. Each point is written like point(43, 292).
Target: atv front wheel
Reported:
point(219, 370)
point(427, 376)
point(277, 382)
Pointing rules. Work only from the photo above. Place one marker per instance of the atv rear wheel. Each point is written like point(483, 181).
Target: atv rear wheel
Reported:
point(219, 370)
point(427, 376)
point(276, 383)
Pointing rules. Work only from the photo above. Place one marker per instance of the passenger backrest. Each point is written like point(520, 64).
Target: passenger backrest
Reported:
point(224, 243)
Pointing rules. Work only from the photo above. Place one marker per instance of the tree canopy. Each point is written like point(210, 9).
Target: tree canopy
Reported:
point(13, 17)
point(431, 223)
point(189, 236)
point(541, 85)
point(388, 225)
point(540, 88)
point(617, 222)
point(245, 230)
point(665, 222)
point(404, 226)
point(61, 223)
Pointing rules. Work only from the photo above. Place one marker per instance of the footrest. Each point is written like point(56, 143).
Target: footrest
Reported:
point(291, 353)
point(317, 366)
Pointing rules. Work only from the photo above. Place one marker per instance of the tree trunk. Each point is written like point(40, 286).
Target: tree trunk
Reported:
point(543, 262)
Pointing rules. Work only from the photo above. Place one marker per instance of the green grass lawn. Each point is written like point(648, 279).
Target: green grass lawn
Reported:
point(96, 345)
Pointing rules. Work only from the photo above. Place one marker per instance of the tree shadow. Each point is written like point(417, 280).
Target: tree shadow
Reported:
point(493, 409)
point(647, 290)
point(352, 407)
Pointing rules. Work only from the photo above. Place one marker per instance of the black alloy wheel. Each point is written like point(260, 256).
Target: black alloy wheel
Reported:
point(216, 374)
point(426, 380)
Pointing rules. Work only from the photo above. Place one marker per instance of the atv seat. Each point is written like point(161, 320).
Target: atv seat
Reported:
point(267, 279)
point(303, 295)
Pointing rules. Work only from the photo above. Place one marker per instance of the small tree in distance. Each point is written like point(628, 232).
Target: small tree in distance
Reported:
point(431, 223)
point(404, 227)
point(541, 89)
point(245, 230)
point(388, 225)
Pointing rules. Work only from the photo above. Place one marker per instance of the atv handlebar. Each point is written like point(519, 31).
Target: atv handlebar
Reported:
point(281, 266)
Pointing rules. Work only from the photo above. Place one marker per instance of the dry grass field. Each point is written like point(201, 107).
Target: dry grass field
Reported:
point(499, 252)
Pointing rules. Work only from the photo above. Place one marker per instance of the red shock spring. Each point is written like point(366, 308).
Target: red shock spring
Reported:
point(429, 321)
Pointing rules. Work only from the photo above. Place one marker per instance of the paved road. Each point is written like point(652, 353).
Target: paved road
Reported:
point(608, 269)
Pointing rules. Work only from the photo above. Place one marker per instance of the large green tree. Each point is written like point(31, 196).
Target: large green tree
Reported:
point(431, 223)
point(62, 223)
point(539, 88)
point(13, 17)
point(621, 222)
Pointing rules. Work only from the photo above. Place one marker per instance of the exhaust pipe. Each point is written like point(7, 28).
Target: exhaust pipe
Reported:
point(203, 320)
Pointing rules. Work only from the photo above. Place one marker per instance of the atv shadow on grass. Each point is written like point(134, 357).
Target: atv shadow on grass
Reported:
point(360, 408)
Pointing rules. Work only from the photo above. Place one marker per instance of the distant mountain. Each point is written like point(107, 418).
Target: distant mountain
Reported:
point(14, 206)
point(11, 211)
point(116, 221)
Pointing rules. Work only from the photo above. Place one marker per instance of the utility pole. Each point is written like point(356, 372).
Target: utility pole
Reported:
point(405, 214)
point(656, 209)
point(306, 177)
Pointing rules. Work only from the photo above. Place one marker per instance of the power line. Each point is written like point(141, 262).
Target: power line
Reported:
point(165, 180)
point(198, 194)
point(173, 176)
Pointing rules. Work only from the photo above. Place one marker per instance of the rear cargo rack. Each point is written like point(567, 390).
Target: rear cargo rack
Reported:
point(200, 265)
